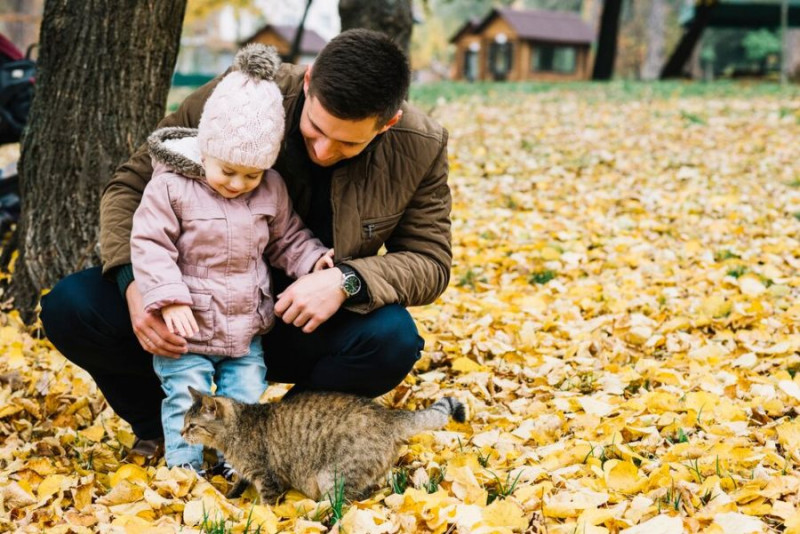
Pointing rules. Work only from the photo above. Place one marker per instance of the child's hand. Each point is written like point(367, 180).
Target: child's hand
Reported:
point(180, 320)
point(325, 262)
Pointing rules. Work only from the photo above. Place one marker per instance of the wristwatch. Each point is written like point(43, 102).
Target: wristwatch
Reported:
point(351, 283)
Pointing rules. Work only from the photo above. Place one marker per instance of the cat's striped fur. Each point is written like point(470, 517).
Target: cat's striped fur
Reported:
point(310, 439)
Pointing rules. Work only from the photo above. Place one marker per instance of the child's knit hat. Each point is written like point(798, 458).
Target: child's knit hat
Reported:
point(243, 119)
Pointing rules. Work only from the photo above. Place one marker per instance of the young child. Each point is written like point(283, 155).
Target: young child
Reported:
point(212, 210)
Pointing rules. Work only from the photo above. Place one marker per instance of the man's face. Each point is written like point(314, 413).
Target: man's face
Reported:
point(329, 139)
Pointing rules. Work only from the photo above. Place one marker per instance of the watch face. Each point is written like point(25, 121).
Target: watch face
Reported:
point(351, 284)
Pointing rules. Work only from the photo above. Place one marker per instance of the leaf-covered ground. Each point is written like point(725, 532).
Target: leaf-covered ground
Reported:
point(622, 323)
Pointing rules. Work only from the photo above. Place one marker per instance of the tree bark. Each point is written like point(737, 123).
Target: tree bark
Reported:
point(392, 17)
point(656, 25)
point(105, 68)
point(607, 41)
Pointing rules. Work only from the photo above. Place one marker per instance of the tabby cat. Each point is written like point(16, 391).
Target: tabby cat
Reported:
point(309, 440)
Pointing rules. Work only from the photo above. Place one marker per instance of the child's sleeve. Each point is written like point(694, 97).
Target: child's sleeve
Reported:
point(156, 228)
point(292, 247)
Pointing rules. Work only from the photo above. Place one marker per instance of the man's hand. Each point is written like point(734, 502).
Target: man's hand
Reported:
point(311, 300)
point(150, 329)
point(180, 320)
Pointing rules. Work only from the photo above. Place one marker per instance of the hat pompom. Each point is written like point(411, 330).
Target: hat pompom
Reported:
point(257, 61)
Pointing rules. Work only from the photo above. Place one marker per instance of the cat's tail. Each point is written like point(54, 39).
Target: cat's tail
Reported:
point(436, 416)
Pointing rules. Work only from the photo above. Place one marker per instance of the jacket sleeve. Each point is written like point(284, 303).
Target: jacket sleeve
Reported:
point(156, 228)
point(124, 192)
point(292, 247)
point(416, 268)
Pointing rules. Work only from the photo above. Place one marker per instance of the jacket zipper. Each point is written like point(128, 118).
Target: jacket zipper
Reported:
point(333, 213)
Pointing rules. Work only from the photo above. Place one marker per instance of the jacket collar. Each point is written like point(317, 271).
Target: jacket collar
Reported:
point(177, 148)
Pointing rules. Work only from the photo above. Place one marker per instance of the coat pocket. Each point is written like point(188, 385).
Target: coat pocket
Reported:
point(204, 315)
point(266, 310)
point(379, 228)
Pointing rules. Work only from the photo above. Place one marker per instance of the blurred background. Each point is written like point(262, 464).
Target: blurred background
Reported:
point(483, 40)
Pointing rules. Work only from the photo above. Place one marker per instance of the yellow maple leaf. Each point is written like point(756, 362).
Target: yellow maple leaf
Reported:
point(465, 365)
point(504, 513)
point(94, 433)
point(130, 472)
point(623, 476)
point(50, 485)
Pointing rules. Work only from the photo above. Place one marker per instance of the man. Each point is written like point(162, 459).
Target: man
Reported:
point(364, 169)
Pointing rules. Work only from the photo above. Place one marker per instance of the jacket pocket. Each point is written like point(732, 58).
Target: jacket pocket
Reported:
point(193, 212)
point(266, 310)
point(379, 228)
point(204, 315)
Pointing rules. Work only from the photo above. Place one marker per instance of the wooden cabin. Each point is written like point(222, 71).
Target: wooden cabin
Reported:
point(282, 37)
point(524, 45)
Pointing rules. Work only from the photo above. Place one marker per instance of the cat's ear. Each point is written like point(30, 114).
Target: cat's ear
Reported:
point(209, 406)
point(196, 395)
point(222, 406)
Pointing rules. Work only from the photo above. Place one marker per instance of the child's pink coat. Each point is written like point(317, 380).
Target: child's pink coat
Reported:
point(192, 246)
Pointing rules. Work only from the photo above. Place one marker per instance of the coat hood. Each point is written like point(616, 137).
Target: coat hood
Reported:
point(177, 148)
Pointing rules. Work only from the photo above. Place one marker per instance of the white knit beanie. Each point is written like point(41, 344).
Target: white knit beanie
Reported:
point(243, 120)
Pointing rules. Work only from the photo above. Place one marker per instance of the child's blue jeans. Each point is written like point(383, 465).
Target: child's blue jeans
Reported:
point(243, 379)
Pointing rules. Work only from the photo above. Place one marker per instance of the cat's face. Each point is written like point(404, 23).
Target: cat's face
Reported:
point(207, 419)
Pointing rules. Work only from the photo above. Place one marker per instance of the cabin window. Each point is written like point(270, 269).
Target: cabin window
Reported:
point(552, 58)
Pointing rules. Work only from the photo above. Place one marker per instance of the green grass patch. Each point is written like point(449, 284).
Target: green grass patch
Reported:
point(541, 277)
point(398, 480)
point(431, 94)
point(737, 271)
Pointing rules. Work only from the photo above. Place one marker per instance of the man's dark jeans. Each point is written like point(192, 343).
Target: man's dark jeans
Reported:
point(87, 319)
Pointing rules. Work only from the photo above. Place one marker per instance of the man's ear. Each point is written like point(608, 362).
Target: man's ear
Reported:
point(394, 120)
point(306, 80)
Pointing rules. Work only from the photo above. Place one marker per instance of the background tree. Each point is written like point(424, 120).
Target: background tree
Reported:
point(607, 40)
point(199, 11)
point(761, 46)
point(104, 73)
point(392, 17)
point(656, 46)
point(675, 64)
point(294, 53)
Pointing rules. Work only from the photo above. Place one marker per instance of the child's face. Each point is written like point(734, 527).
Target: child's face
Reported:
point(231, 180)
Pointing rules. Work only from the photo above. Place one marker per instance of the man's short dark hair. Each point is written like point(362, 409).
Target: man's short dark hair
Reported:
point(361, 74)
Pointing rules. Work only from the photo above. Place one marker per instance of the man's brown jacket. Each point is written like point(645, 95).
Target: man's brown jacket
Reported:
point(394, 193)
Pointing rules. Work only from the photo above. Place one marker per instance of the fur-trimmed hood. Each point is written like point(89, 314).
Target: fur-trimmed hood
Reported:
point(177, 148)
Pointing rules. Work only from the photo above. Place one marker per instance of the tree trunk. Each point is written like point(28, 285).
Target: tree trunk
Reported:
point(656, 26)
point(607, 40)
point(676, 62)
point(105, 68)
point(297, 42)
point(392, 17)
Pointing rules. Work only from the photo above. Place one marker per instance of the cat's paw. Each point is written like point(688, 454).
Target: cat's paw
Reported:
point(238, 488)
